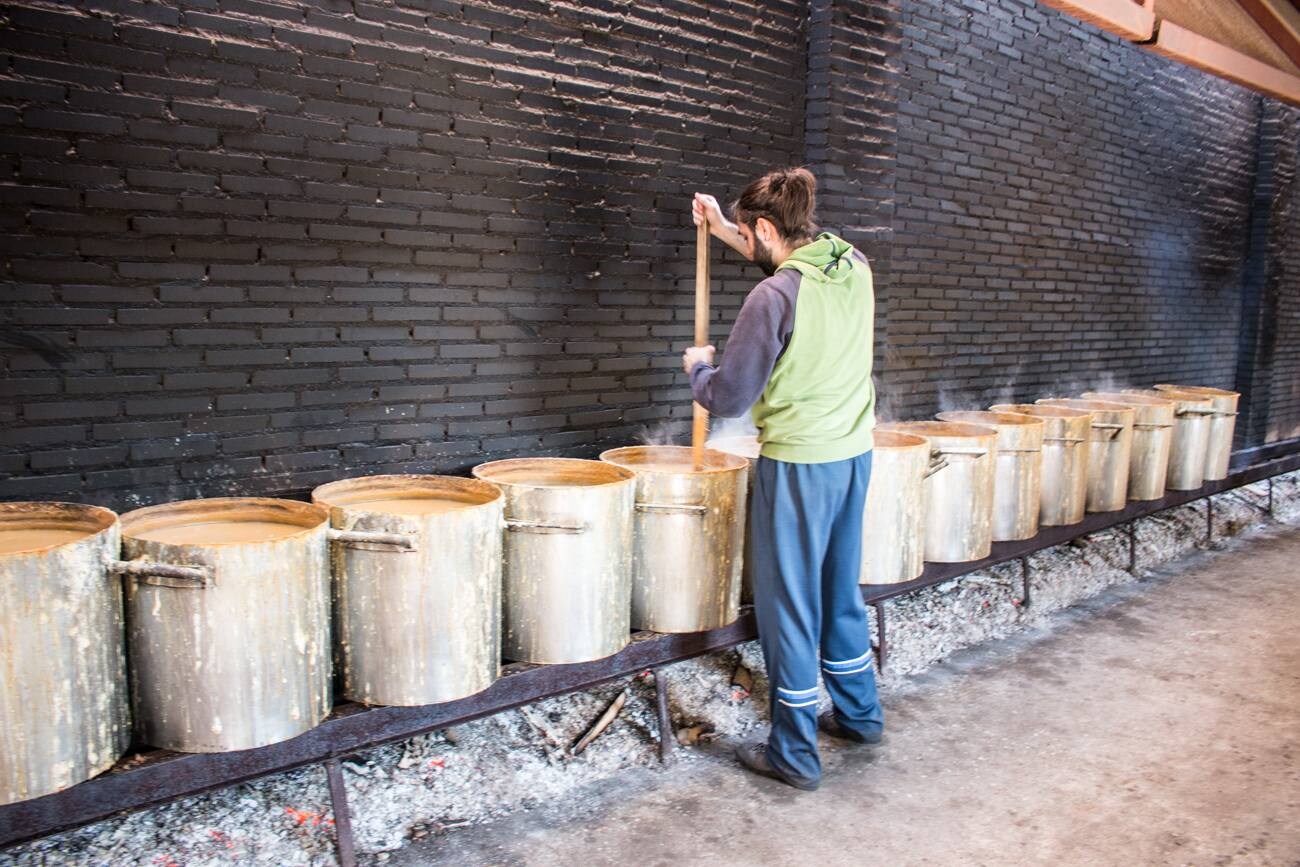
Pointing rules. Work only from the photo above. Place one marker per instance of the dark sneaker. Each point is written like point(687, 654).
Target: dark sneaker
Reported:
point(753, 755)
point(831, 726)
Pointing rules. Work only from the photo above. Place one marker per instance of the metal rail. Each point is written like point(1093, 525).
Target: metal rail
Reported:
point(153, 777)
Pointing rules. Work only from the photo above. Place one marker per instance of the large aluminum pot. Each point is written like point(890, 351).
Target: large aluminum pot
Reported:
point(64, 713)
point(689, 535)
point(233, 651)
point(1190, 444)
point(1064, 490)
point(1110, 450)
point(893, 523)
point(567, 573)
point(959, 496)
point(1153, 435)
point(746, 447)
point(1223, 424)
point(1017, 484)
point(417, 612)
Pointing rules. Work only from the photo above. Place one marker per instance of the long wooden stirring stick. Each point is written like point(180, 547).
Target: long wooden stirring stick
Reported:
point(700, 428)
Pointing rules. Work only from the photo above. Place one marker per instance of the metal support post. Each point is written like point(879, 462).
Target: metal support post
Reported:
point(1209, 520)
point(1024, 574)
point(881, 646)
point(342, 814)
point(666, 735)
point(1132, 548)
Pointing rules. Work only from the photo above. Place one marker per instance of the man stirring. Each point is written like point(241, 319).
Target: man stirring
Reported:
point(800, 355)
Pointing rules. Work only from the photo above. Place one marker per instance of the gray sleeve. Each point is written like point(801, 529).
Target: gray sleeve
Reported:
point(761, 333)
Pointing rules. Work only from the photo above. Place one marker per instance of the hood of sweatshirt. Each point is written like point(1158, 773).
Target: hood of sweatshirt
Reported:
point(828, 259)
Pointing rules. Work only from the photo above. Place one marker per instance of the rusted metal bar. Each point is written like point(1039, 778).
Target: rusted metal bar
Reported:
point(342, 814)
point(666, 734)
point(881, 647)
point(1132, 548)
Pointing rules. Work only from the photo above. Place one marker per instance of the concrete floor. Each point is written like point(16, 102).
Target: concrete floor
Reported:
point(1156, 724)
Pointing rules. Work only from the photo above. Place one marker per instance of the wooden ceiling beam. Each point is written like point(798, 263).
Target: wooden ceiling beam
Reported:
point(1124, 18)
point(1191, 48)
point(1278, 22)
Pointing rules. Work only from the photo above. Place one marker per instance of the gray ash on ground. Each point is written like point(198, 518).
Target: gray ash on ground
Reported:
point(522, 759)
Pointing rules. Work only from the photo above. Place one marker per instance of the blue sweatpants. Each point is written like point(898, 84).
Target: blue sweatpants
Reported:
point(806, 538)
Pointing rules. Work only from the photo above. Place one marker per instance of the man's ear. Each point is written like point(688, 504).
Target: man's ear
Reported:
point(766, 230)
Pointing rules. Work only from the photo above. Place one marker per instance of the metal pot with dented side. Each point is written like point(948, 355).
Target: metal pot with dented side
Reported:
point(1064, 478)
point(567, 557)
point(228, 621)
point(959, 495)
point(417, 586)
point(689, 533)
point(64, 703)
point(1110, 450)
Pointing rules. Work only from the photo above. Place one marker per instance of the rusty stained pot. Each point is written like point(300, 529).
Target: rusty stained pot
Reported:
point(567, 557)
point(1110, 450)
point(237, 655)
point(689, 534)
point(64, 707)
point(418, 614)
point(959, 496)
point(1064, 480)
point(1017, 485)
point(1223, 424)
point(893, 522)
point(746, 447)
point(1190, 444)
point(1153, 435)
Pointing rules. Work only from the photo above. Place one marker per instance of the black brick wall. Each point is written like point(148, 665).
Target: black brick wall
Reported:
point(1069, 210)
point(288, 242)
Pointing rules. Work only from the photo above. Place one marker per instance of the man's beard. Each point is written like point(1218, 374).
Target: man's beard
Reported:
point(763, 257)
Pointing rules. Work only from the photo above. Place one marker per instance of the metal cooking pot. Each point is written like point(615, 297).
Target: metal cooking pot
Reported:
point(418, 617)
point(893, 522)
point(1153, 434)
point(1223, 424)
point(1064, 490)
point(689, 533)
point(1110, 450)
point(567, 570)
point(1189, 446)
point(1017, 485)
point(746, 447)
point(959, 496)
point(231, 650)
point(64, 712)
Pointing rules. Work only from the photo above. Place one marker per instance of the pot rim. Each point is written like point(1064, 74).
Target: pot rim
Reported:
point(224, 509)
point(730, 462)
point(55, 515)
point(487, 471)
point(334, 495)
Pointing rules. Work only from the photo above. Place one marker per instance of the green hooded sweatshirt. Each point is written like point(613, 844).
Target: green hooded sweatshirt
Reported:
point(819, 402)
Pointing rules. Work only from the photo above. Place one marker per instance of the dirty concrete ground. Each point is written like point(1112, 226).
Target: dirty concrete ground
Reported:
point(1157, 723)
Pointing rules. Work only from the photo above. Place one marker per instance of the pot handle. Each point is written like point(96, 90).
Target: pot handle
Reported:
point(543, 527)
point(963, 451)
point(937, 463)
point(672, 509)
point(1107, 426)
point(1151, 426)
point(1194, 411)
point(402, 541)
point(188, 577)
point(1069, 441)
